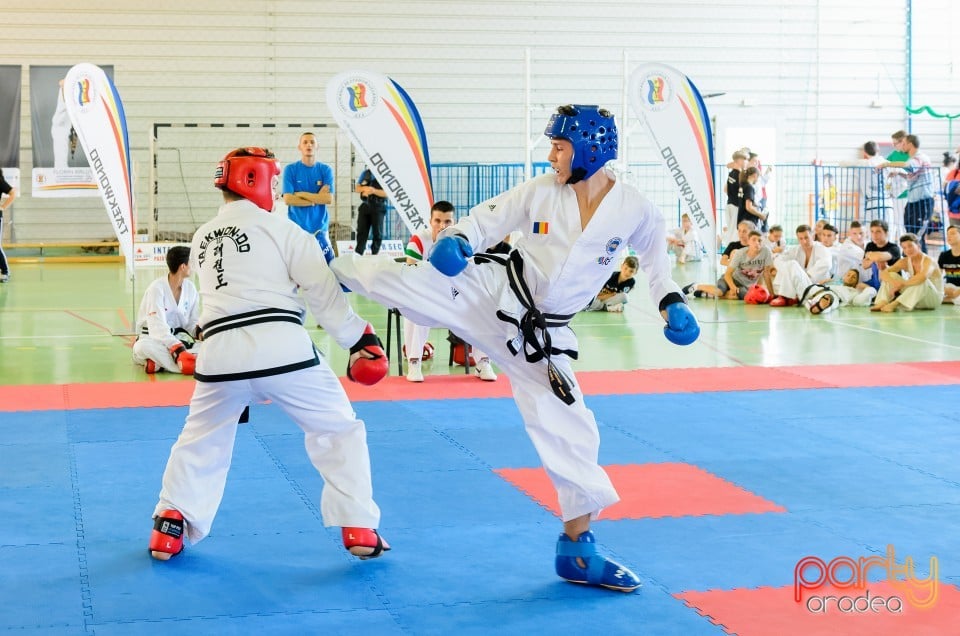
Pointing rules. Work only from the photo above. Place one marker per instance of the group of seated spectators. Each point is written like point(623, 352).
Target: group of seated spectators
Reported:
point(822, 273)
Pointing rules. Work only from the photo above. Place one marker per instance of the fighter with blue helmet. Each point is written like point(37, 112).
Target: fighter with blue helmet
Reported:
point(517, 307)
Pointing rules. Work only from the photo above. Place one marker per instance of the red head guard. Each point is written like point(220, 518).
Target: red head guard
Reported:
point(757, 295)
point(249, 173)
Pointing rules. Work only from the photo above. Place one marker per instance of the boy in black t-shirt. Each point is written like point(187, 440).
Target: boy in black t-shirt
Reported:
point(949, 263)
point(878, 253)
point(613, 296)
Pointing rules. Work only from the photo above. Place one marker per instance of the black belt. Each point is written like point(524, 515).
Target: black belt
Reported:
point(533, 337)
point(250, 318)
point(811, 291)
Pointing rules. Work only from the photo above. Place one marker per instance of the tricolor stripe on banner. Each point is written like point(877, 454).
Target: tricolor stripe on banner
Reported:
point(97, 115)
point(408, 118)
point(383, 123)
point(68, 186)
point(673, 113)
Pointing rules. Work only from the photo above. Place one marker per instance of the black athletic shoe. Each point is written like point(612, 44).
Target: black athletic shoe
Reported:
point(687, 289)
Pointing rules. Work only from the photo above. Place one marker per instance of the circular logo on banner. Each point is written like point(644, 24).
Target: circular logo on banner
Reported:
point(656, 91)
point(356, 98)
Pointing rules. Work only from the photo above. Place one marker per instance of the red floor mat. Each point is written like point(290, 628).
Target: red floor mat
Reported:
point(128, 394)
point(893, 374)
point(652, 490)
point(176, 392)
point(770, 610)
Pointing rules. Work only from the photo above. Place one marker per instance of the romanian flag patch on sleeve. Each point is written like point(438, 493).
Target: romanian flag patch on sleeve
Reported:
point(540, 227)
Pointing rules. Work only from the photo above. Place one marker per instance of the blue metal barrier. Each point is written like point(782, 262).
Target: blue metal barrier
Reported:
point(796, 193)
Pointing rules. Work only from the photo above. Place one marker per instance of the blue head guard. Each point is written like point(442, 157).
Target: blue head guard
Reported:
point(593, 133)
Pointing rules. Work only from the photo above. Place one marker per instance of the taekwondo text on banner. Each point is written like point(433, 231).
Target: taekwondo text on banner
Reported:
point(385, 128)
point(96, 112)
point(673, 113)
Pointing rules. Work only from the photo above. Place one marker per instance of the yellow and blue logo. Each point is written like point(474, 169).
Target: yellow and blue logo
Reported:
point(84, 92)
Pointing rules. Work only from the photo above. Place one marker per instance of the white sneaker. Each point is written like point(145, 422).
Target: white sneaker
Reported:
point(484, 370)
point(615, 308)
point(4, 278)
point(414, 371)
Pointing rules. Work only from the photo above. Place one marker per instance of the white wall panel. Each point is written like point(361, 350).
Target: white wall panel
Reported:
point(812, 67)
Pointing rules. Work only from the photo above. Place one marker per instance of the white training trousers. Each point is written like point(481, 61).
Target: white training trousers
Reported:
point(335, 440)
point(565, 436)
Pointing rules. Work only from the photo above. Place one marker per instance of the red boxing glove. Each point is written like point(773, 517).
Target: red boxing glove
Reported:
point(368, 370)
point(186, 361)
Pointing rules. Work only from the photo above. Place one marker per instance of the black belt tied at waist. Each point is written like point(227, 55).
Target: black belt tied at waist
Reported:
point(250, 318)
point(533, 337)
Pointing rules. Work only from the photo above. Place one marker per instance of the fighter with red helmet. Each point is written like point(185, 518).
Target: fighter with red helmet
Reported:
point(250, 264)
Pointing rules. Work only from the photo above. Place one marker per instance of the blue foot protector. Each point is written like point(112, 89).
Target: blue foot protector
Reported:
point(599, 569)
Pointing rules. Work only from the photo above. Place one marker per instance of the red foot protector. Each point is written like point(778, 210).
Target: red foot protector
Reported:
point(652, 490)
point(166, 540)
point(365, 543)
point(879, 609)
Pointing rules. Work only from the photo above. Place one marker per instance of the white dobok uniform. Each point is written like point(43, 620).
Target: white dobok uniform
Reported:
point(159, 316)
point(692, 249)
point(250, 264)
point(846, 256)
point(563, 267)
point(840, 295)
point(795, 273)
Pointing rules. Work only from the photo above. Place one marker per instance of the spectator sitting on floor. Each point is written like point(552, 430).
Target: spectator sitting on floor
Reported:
point(806, 263)
point(613, 296)
point(878, 254)
point(685, 242)
point(747, 267)
point(774, 240)
point(743, 232)
point(855, 235)
point(949, 262)
point(820, 299)
point(818, 227)
point(845, 255)
point(167, 319)
point(913, 282)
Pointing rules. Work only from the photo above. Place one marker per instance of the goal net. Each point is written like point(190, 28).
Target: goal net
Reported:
point(185, 155)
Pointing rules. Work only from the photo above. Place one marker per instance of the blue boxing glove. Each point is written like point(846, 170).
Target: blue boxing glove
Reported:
point(682, 327)
point(450, 254)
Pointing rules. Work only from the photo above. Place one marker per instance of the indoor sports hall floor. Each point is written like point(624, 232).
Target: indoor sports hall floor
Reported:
point(777, 436)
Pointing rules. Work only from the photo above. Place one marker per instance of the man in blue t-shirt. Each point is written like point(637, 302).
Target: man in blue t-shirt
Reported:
point(307, 190)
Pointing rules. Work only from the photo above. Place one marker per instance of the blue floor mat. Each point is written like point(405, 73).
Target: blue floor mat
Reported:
point(471, 553)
